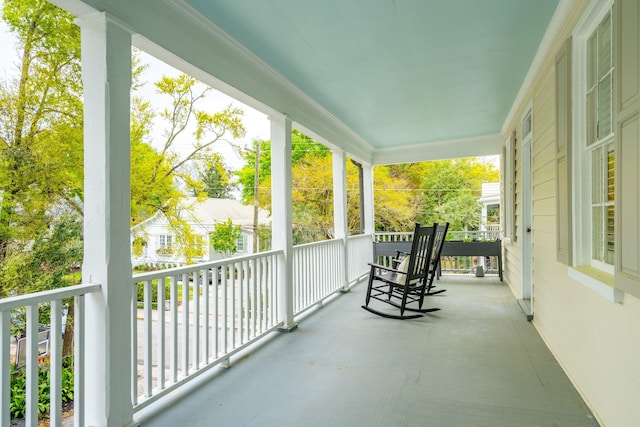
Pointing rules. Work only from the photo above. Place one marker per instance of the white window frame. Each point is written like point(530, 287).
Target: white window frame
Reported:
point(581, 167)
point(240, 244)
point(165, 241)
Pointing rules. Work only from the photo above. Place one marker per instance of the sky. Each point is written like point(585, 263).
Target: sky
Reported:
point(256, 124)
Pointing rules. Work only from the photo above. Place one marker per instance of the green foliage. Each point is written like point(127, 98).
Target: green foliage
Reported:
point(214, 179)
point(156, 172)
point(18, 401)
point(302, 147)
point(47, 264)
point(225, 236)
point(40, 127)
point(447, 190)
point(394, 205)
point(154, 291)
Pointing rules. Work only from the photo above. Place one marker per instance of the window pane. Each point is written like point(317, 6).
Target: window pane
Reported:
point(591, 117)
point(597, 188)
point(597, 238)
point(604, 46)
point(610, 239)
point(610, 174)
point(604, 107)
point(591, 61)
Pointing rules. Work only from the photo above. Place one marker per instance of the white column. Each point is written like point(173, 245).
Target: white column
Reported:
point(367, 188)
point(106, 74)
point(281, 216)
point(340, 221)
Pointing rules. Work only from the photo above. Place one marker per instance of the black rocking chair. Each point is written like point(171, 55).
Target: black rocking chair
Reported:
point(407, 283)
point(438, 243)
point(441, 234)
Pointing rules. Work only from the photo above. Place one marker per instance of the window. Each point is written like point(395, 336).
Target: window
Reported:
point(599, 145)
point(240, 244)
point(165, 244)
point(594, 138)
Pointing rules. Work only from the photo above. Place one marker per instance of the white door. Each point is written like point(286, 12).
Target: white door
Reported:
point(526, 229)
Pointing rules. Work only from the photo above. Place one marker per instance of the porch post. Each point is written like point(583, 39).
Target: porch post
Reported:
point(340, 222)
point(367, 188)
point(281, 216)
point(106, 74)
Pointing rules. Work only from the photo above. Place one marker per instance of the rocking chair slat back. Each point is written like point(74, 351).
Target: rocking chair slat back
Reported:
point(407, 283)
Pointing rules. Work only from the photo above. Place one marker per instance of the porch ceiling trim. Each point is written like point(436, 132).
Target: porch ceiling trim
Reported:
point(486, 145)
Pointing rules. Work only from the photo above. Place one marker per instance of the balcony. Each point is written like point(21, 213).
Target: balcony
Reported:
point(477, 361)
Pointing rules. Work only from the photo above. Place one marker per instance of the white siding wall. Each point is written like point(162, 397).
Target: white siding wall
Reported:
point(595, 340)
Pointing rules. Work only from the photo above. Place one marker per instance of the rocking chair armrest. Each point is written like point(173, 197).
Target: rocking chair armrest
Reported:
point(398, 258)
point(383, 267)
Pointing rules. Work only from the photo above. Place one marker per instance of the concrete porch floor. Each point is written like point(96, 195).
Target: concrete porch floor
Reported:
point(477, 362)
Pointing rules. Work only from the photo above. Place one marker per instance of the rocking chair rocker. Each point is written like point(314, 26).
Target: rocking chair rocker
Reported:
point(407, 283)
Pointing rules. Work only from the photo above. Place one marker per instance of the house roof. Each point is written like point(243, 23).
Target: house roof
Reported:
point(212, 211)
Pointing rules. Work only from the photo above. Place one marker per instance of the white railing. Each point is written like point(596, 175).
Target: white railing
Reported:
point(360, 253)
point(485, 235)
point(318, 271)
point(193, 318)
point(184, 320)
point(32, 303)
point(451, 264)
point(451, 235)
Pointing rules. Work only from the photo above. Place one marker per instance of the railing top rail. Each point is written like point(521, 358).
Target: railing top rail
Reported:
point(320, 243)
point(46, 296)
point(359, 236)
point(202, 266)
point(392, 233)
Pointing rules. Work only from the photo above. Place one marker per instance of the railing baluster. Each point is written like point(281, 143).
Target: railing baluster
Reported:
point(148, 337)
point(78, 362)
point(185, 324)
point(161, 365)
point(196, 320)
point(5, 345)
point(55, 364)
point(225, 309)
point(174, 329)
point(205, 302)
point(31, 418)
point(134, 343)
point(217, 274)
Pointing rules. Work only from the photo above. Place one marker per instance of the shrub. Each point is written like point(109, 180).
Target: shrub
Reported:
point(18, 402)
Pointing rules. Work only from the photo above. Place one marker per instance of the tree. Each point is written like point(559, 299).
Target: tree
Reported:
point(156, 173)
point(215, 179)
point(40, 127)
point(448, 190)
point(301, 147)
point(394, 200)
point(224, 238)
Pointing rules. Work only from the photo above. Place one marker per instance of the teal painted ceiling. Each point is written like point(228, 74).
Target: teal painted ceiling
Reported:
point(397, 72)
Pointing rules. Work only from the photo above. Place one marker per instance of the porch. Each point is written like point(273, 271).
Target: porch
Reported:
point(477, 362)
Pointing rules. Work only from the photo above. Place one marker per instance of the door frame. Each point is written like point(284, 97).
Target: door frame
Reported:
point(527, 216)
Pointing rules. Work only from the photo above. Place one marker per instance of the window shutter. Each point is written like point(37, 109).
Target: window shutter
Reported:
point(563, 154)
point(627, 232)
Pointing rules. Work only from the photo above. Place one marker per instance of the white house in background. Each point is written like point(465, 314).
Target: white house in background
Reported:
point(490, 201)
point(202, 216)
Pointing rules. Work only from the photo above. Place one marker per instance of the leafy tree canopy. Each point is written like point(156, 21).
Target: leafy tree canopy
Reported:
point(225, 237)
